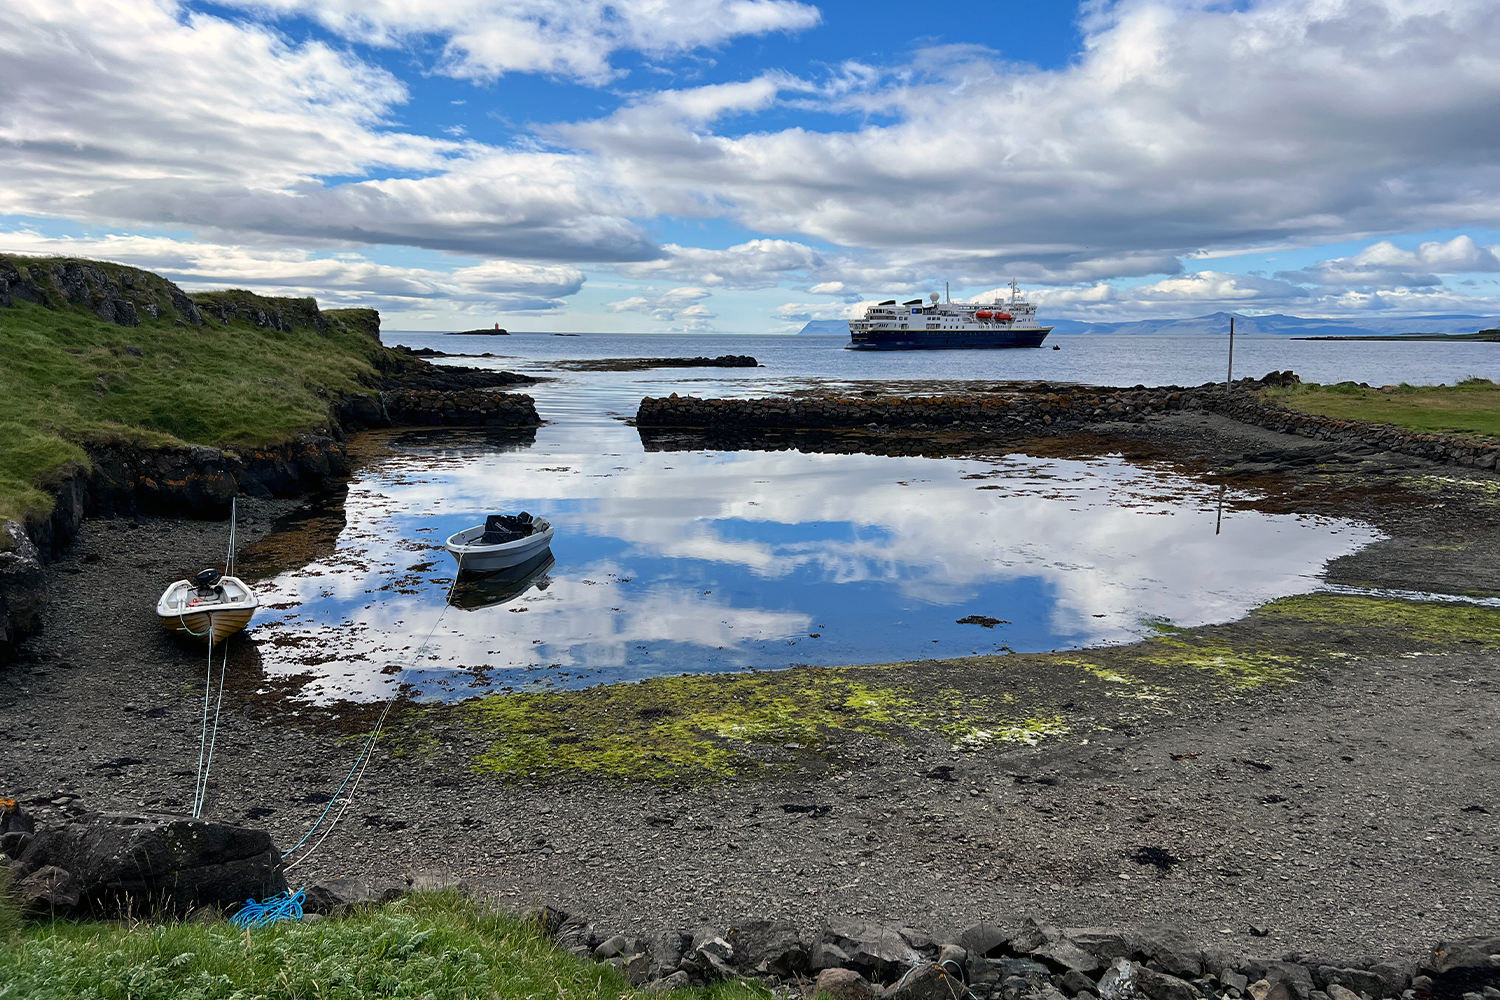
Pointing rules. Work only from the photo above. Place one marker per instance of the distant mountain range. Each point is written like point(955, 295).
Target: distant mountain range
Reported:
point(1217, 324)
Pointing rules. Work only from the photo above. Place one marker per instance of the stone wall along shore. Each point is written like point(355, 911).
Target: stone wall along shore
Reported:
point(1043, 409)
point(854, 959)
point(466, 408)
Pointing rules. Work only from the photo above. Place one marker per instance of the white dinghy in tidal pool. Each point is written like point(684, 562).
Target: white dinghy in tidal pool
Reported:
point(502, 541)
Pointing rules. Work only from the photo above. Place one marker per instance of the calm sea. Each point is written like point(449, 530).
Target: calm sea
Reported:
point(1096, 359)
point(706, 560)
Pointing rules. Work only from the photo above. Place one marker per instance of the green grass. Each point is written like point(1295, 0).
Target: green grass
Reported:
point(68, 378)
point(1471, 408)
point(434, 947)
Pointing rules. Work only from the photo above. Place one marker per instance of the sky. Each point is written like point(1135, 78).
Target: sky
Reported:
point(748, 165)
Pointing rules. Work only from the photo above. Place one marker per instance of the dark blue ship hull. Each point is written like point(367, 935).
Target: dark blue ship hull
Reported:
point(945, 340)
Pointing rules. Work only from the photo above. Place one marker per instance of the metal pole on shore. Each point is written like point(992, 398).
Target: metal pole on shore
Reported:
point(1231, 350)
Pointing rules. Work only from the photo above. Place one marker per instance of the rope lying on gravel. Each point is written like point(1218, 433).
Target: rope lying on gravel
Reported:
point(362, 761)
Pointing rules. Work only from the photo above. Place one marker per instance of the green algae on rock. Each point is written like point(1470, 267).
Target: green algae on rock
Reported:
point(695, 728)
point(691, 729)
point(1438, 623)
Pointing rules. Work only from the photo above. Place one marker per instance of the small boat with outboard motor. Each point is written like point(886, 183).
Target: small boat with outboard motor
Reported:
point(208, 605)
point(211, 606)
point(934, 325)
point(503, 540)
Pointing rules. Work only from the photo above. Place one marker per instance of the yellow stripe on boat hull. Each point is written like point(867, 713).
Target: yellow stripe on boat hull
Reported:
point(197, 623)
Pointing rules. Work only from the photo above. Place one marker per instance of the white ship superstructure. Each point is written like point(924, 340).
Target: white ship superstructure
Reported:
point(918, 325)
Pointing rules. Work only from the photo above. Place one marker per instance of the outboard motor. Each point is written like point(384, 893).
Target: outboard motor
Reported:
point(500, 528)
point(207, 583)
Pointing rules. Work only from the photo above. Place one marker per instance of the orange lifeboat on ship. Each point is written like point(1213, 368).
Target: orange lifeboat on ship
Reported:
point(1003, 317)
point(983, 314)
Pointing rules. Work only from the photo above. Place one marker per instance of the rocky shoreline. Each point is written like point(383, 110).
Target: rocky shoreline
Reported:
point(127, 480)
point(852, 959)
point(103, 865)
point(1039, 409)
point(644, 364)
point(1350, 816)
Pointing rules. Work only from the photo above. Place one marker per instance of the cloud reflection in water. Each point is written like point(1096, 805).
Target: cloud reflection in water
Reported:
point(714, 561)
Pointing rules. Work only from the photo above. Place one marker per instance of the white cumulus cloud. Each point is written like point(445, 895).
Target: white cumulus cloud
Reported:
point(484, 39)
point(681, 307)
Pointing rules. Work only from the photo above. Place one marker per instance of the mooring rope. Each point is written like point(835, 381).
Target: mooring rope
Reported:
point(208, 689)
point(218, 712)
point(234, 510)
point(283, 906)
point(207, 742)
point(362, 761)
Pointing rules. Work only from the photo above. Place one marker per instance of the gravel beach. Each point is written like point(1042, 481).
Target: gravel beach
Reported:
point(1353, 813)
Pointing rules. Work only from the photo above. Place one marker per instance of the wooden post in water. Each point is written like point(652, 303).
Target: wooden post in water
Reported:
point(1231, 349)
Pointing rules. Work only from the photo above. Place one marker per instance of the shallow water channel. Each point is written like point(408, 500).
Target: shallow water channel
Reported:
point(702, 561)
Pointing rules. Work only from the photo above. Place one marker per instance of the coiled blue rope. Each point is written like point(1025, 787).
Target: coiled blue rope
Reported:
point(283, 906)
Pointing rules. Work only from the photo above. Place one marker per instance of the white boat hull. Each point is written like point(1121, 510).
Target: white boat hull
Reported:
point(181, 611)
point(474, 557)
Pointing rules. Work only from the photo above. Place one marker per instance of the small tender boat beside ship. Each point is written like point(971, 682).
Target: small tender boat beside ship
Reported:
point(503, 540)
point(934, 325)
point(208, 605)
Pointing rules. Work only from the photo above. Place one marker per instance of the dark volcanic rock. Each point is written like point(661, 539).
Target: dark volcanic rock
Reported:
point(1471, 952)
point(450, 378)
point(284, 314)
point(983, 940)
point(769, 947)
point(16, 288)
point(843, 984)
point(22, 584)
point(48, 892)
point(336, 896)
point(126, 479)
point(13, 819)
point(927, 982)
point(871, 946)
point(149, 864)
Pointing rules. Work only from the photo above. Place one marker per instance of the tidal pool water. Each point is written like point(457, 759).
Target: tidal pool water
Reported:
point(701, 561)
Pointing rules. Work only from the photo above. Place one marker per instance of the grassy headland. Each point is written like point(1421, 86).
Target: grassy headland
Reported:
point(69, 377)
point(437, 946)
point(1471, 407)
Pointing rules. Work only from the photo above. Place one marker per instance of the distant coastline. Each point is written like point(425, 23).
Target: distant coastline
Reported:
point(1432, 327)
point(1483, 336)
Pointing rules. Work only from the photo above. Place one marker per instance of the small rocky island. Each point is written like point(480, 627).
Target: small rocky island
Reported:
point(643, 364)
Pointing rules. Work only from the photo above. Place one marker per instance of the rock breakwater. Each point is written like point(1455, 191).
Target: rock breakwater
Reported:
point(1039, 409)
point(466, 407)
point(861, 960)
point(642, 364)
point(1447, 449)
point(1027, 409)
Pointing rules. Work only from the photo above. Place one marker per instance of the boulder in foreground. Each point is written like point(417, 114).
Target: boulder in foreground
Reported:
point(115, 863)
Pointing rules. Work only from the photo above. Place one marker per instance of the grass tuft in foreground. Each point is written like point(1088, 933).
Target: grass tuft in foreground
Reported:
point(436, 947)
point(1471, 407)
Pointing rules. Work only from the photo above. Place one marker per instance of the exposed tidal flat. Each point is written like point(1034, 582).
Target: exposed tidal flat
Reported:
point(1153, 661)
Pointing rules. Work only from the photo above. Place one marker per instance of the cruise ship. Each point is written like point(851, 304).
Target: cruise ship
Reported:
point(935, 325)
